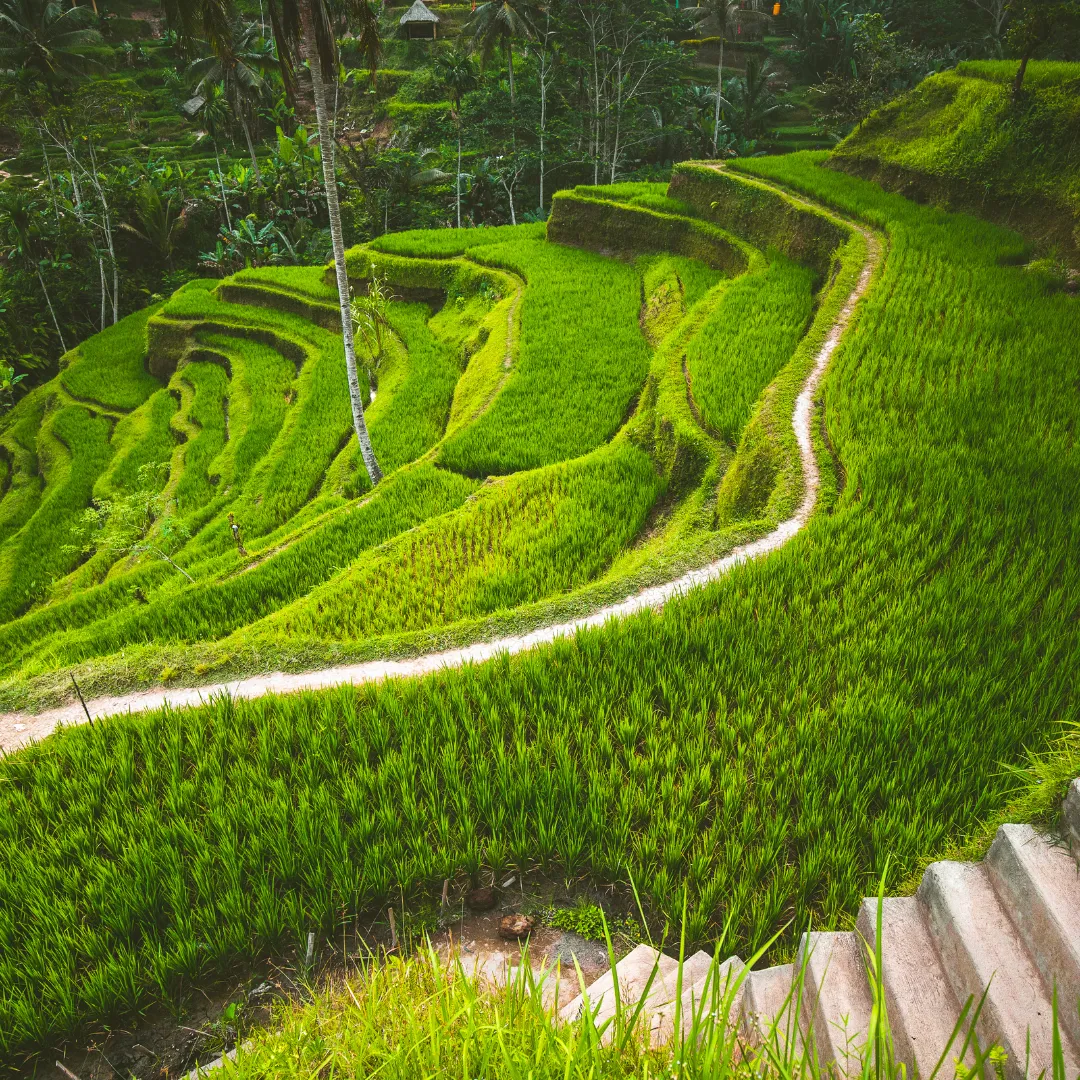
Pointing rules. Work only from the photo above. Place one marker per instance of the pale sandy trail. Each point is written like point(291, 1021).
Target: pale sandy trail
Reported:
point(18, 729)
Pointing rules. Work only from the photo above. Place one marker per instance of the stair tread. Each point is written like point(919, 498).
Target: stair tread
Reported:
point(1039, 884)
point(981, 950)
point(768, 1006)
point(633, 972)
point(836, 999)
point(921, 1005)
point(696, 985)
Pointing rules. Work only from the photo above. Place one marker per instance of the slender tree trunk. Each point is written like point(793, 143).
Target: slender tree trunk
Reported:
point(101, 274)
point(106, 221)
point(719, 94)
point(250, 145)
point(510, 69)
point(326, 143)
point(221, 184)
point(457, 192)
point(52, 311)
point(1018, 82)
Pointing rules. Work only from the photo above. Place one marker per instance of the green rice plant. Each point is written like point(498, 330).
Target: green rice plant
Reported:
point(203, 421)
point(582, 358)
point(446, 243)
point(18, 447)
point(72, 451)
point(517, 541)
point(745, 341)
point(142, 437)
point(104, 620)
point(109, 368)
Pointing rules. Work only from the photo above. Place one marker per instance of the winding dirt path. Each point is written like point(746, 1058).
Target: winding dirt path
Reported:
point(18, 729)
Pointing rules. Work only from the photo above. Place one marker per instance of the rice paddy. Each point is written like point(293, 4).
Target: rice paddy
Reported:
point(754, 754)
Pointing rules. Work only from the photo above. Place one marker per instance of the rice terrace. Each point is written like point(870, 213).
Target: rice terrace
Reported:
point(539, 538)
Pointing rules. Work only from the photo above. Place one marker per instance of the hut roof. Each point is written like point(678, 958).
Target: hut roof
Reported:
point(419, 13)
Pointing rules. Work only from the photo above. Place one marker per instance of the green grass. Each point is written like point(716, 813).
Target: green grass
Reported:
point(110, 368)
point(1039, 72)
point(760, 749)
point(960, 140)
point(750, 335)
point(582, 358)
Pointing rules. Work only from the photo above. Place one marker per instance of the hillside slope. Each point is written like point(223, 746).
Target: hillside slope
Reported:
point(960, 141)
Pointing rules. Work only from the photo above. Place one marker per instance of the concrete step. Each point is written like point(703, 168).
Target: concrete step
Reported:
point(633, 972)
point(836, 998)
point(919, 1001)
point(1072, 816)
point(704, 987)
point(769, 1011)
point(1039, 885)
point(980, 949)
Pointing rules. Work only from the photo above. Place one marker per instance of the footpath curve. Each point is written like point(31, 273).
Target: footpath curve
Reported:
point(17, 729)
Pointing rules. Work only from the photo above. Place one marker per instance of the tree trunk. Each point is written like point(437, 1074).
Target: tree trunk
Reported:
point(510, 68)
point(221, 184)
point(1018, 82)
point(52, 311)
point(457, 192)
point(326, 144)
point(719, 94)
point(101, 272)
point(250, 146)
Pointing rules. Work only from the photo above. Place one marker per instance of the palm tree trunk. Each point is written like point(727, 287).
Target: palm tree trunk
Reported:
point(251, 148)
point(326, 145)
point(510, 68)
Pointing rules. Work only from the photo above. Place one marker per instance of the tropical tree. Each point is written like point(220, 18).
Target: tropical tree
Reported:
point(41, 37)
point(721, 14)
point(750, 99)
point(1035, 24)
point(215, 115)
point(496, 24)
point(457, 72)
point(239, 69)
point(161, 228)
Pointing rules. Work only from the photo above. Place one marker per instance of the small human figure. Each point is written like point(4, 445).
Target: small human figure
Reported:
point(236, 535)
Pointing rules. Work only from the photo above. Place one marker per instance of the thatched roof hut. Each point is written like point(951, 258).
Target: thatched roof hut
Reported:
point(420, 21)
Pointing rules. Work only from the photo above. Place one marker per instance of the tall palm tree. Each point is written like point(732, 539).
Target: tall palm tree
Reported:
point(303, 30)
point(496, 24)
point(41, 37)
point(457, 72)
point(722, 14)
point(238, 69)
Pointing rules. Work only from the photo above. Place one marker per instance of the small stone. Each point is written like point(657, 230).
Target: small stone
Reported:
point(516, 926)
point(481, 899)
point(508, 882)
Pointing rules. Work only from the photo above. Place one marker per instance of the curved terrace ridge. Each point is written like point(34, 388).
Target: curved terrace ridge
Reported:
point(18, 729)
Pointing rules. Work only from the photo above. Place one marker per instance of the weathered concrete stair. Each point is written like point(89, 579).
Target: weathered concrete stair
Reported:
point(1004, 932)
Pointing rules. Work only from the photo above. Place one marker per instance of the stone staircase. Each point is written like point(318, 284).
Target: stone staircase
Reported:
point(1002, 934)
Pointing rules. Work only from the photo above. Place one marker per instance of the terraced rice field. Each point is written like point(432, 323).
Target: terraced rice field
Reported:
point(752, 756)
